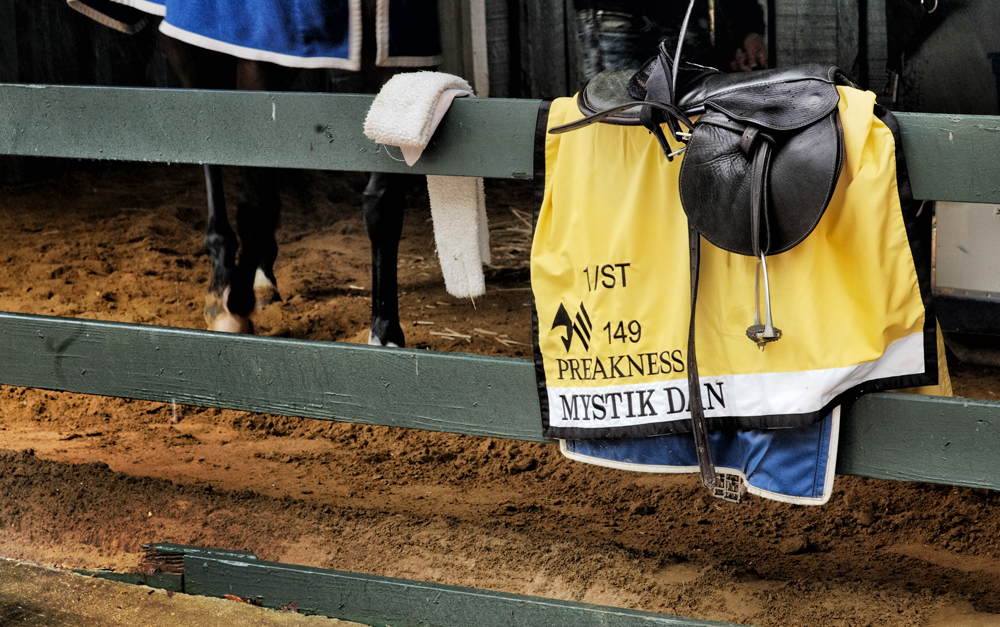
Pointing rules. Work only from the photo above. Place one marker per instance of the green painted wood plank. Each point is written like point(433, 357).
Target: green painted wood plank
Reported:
point(296, 130)
point(169, 548)
point(906, 437)
point(383, 601)
point(173, 583)
point(890, 436)
point(451, 392)
point(952, 157)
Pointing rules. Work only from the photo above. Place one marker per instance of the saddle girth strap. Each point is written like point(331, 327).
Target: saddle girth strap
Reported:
point(757, 146)
point(698, 427)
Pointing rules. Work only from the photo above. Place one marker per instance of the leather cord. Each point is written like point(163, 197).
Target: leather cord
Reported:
point(672, 113)
point(699, 429)
point(758, 147)
point(758, 197)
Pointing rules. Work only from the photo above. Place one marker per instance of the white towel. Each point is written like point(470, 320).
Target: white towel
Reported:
point(406, 113)
point(458, 210)
point(409, 107)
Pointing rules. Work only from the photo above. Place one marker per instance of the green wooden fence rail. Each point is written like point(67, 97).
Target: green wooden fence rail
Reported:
point(887, 436)
point(891, 436)
point(369, 599)
point(491, 138)
point(373, 600)
point(950, 157)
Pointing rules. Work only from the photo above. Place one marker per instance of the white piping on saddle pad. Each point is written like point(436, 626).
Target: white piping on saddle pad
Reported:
point(129, 28)
point(405, 113)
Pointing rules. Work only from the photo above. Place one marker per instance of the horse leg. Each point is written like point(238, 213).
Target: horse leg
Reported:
point(244, 282)
point(257, 215)
point(197, 68)
point(221, 244)
point(383, 205)
point(260, 206)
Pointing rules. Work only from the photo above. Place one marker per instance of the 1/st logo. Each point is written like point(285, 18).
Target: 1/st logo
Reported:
point(608, 276)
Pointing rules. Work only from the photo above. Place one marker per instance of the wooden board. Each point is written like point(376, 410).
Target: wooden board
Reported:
point(889, 436)
point(384, 601)
point(374, 600)
point(906, 437)
point(545, 48)
point(816, 31)
point(950, 157)
point(345, 382)
point(480, 137)
point(173, 583)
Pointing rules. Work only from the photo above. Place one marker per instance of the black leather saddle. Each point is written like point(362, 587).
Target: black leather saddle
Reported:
point(761, 161)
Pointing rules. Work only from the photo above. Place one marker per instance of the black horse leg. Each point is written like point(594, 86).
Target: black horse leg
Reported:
point(221, 245)
point(383, 202)
point(197, 68)
point(257, 215)
point(259, 207)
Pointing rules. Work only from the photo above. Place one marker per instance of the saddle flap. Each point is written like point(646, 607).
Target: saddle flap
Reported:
point(718, 182)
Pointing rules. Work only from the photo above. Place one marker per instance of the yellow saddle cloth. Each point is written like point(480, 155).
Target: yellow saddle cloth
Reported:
point(610, 274)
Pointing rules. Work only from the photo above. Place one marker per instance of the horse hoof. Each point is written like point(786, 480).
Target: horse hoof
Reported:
point(219, 318)
point(231, 323)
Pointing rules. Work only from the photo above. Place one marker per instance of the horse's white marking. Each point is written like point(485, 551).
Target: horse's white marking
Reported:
point(260, 280)
point(274, 111)
point(373, 341)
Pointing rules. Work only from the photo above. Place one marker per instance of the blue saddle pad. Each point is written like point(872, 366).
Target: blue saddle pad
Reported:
point(794, 465)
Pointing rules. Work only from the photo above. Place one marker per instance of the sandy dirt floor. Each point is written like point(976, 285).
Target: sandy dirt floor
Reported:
point(84, 481)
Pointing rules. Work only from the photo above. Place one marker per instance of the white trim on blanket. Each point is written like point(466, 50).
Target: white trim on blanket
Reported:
point(760, 394)
point(382, 58)
point(353, 62)
point(100, 18)
point(153, 8)
point(828, 477)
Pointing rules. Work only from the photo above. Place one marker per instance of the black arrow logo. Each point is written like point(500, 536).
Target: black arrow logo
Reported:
point(581, 328)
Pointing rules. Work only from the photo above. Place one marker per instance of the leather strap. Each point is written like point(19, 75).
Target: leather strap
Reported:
point(698, 428)
point(758, 197)
point(758, 146)
point(672, 113)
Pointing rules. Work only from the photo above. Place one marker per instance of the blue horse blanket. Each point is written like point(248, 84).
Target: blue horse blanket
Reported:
point(292, 33)
point(794, 465)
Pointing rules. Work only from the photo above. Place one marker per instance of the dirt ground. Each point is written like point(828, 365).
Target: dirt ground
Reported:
point(84, 481)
